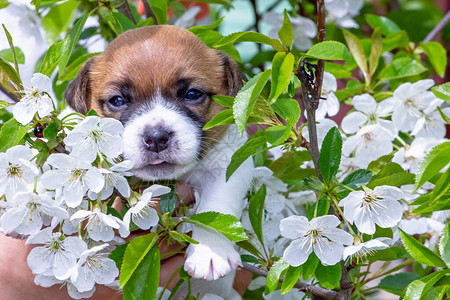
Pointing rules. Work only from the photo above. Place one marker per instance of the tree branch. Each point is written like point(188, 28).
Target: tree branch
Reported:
point(303, 287)
point(433, 33)
point(11, 95)
point(125, 10)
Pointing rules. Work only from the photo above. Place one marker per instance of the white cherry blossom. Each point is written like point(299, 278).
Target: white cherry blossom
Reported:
point(331, 105)
point(57, 257)
point(36, 100)
point(143, 212)
point(367, 112)
point(342, 11)
point(100, 226)
point(303, 28)
point(16, 170)
point(362, 250)
point(93, 267)
point(74, 175)
point(27, 213)
point(431, 124)
point(408, 102)
point(115, 179)
point(48, 281)
point(410, 156)
point(379, 206)
point(368, 144)
point(93, 135)
point(319, 235)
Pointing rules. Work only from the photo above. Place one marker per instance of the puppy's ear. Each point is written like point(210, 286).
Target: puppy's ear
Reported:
point(78, 92)
point(234, 76)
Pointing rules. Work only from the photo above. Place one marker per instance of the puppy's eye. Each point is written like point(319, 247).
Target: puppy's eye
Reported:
point(116, 101)
point(193, 95)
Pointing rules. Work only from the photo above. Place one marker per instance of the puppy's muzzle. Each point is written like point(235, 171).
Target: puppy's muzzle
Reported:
point(157, 139)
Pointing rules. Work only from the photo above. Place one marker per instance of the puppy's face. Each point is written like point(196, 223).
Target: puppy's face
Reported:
point(158, 81)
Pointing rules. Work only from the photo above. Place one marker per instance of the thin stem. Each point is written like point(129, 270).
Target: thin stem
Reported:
point(342, 214)
point(303, 287)
point(433, 33)
point(149, 12)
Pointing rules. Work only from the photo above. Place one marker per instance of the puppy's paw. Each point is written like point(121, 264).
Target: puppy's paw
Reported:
point(213, 258)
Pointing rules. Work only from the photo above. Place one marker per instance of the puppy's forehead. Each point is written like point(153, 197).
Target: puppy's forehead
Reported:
point(158, 57)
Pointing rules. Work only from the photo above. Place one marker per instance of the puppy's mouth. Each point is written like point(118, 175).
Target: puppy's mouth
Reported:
point(157, 162)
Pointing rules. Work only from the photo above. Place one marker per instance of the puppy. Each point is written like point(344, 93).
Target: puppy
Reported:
point(158, 81)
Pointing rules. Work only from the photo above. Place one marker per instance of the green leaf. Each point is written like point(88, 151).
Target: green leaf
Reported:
point(288, 109)
point(291, 278)
point(74, 35)
point(92, 112)
point(329, 50)
point(255, 142)
point(357, 50)
point(273, 277)
point(4, 104)
point(12, 48)
point(118, 254)
point(419, 252)
point(432, 163)
point(58, 19)
point(246, 98)
point(4, 3)
point(396, 283)
point(182, 238)
point(386, 26)
point(248, 246)
point(53, 56)
point(393, 179)
point(248, 36)
point(442, 186)
point(9, 77)
point(287, 167)
point(339, 71)
point(51, 131)
point(310, 266)
point(322, 209)
point(417, 288)
point(396, 40)
point(72, 69)
point(330, 154)
point(379, 164)
point(401, 68)
point(8, 55)
point(329, 276)
point(223, 118)
point(285, 33)
point(123, 21)
point(391, 253)
point(357, 179)
point(11, 134)
point(201, 28)
point(375, 52)
point(227, 3)
point(442, 91)
point(444, 245)
point(159, 8)
point(144, 282)
point(168, 201)
point(225, 101)
point(256, 210)
point(228, 225)
point(282, 67)
point(437, 56)
point(135, 253)
point(249, 258)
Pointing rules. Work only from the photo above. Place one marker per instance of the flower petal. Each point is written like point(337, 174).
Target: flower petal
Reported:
point(294, 253)
point(294, 226)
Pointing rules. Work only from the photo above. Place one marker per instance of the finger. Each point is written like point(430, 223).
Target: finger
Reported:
point(169, 268)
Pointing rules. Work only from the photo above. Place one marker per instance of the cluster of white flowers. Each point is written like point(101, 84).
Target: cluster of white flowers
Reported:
point(70, 194)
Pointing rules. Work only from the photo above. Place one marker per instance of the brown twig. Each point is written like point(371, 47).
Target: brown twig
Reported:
point(149, 12)
point(433, 33)
point(303, 287)
point(11, 95)
point(125, 10)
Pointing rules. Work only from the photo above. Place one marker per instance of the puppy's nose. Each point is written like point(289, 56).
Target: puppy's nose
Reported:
point(157, 139)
